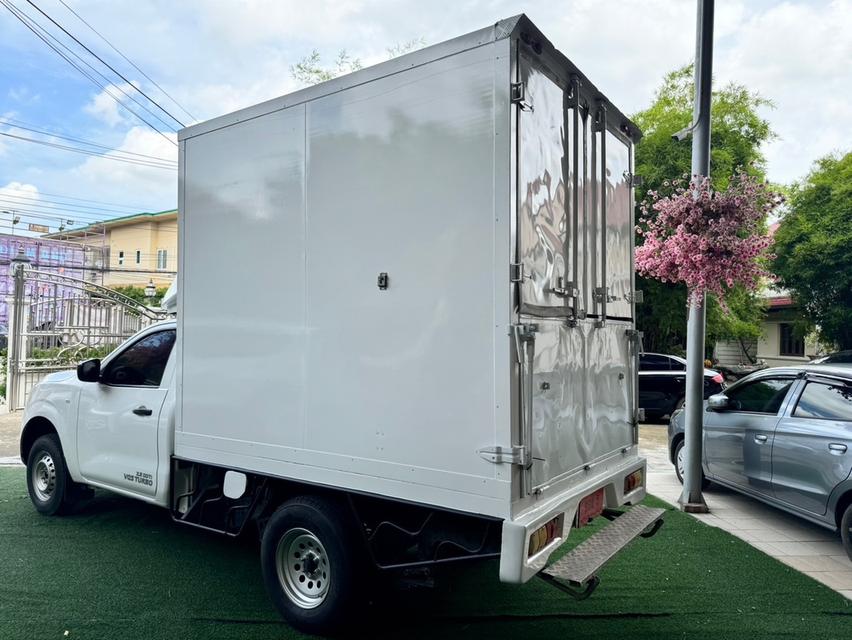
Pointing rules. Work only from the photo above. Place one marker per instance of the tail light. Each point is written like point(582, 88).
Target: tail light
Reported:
point(718, 379)
point(544, 535)
point(633, 481)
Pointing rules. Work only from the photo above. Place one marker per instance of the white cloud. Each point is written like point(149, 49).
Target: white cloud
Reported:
point(104, 107)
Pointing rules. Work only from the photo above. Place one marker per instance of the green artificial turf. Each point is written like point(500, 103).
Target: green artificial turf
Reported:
point(122, 569)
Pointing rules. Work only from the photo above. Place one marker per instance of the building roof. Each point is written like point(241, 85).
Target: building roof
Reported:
point(100, 227)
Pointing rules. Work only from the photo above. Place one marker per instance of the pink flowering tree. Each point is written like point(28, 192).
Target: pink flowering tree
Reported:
point(709, 240)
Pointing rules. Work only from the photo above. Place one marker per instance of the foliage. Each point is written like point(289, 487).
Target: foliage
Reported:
point(813, 244)
point(737, 133)
point(73, 354)
point(138, 294)
point(311, 70)
point(709, 240)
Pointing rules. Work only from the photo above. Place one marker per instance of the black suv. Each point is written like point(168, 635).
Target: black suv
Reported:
point(662, 384)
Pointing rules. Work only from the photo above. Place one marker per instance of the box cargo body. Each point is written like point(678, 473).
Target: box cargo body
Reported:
point(416, 282)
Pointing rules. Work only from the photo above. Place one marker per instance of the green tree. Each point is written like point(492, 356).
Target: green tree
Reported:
point(311, 70)
point(138, 294)
point(813, 245)
point(736, 134)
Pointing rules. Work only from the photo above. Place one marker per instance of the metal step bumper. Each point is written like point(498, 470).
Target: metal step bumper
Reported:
point(575, 573)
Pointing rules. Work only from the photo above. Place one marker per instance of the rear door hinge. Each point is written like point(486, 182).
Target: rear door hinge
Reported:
point(564, 288)
point(519, 96)
point(636, 297)
point(632, 179)
point(505, 455)
point(516, 272)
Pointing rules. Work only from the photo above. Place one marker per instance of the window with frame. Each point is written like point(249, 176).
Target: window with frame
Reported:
point(141, 364)
point(825, 401)
point(121, 257)
point(653, 362)
point(759, 396)
point(791, 345)
point(162, 259)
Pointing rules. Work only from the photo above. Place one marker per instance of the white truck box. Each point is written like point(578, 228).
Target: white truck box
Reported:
point(365, 265)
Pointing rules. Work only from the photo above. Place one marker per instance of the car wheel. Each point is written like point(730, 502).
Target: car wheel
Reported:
point(310, 561)
point(679, 404)
point(50, 487)
point(680, 464)
point(846, 530)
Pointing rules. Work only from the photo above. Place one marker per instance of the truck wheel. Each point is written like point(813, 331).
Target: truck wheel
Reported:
point(846, 530)
point(50, 487)
point(310, 560)
point(680, 462)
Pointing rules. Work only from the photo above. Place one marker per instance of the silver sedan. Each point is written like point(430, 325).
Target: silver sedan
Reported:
point(784, 436)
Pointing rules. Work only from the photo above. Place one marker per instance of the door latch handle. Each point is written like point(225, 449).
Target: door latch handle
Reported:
point(836, 447)
point(143, 411)
point(759, 438)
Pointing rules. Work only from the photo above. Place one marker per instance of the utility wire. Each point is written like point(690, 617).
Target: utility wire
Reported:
point(104, 62)
point(26, 20)
point(65, 206)
point(87, 152)
point(113, 204)
point(12, 123)
point(114, 48)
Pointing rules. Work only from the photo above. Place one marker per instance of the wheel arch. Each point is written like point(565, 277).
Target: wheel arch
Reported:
point(843, 501)
point(35, 428)
point(676, 440)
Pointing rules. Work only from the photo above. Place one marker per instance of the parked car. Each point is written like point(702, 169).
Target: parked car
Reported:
point(662, 384)
point(841, 357)
point(784, 436)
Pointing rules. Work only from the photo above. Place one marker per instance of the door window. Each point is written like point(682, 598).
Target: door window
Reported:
point(676, 365)
point(142, 363)
point(652, 362)
point(826, 401)
point(760, 396)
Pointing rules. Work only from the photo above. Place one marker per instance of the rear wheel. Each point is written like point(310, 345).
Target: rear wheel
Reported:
point(680, 465)
point(310, 561)
point(51, 489)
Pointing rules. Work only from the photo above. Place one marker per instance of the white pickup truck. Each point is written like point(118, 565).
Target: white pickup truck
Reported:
point(404, 335)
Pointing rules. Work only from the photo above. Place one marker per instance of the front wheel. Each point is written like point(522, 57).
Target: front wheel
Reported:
point(51, 489)
point(680, 465)
point(310, 561)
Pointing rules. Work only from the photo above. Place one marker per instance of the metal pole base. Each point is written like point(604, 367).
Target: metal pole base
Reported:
point(687, 506)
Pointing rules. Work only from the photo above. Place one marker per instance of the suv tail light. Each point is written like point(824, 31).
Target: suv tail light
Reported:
point(718, 379)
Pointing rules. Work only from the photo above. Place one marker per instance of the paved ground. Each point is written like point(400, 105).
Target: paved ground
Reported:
point(10, 431)
point(815, 551)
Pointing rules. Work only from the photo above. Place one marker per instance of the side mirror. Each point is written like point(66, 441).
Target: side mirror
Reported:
point(89, 371)
point(718, 402)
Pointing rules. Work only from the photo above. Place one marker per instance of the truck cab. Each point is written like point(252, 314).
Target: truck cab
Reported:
point(113, 419)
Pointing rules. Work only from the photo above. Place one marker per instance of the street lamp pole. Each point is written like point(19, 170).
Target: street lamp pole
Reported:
point(691, 499)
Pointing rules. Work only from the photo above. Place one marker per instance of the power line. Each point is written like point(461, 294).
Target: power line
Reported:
point(114, 48)
point(67, 206)
point(26, 127)
point(104, 62)
point(28, 22)
point(113, 204)
point(87, 152)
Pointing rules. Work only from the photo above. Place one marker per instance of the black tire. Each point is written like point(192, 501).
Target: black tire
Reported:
point(51, 489)
point(846, 530)
point(337, 558)
point(705, 483)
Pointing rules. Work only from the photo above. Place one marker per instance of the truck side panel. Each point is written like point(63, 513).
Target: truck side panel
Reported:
point(297, 361)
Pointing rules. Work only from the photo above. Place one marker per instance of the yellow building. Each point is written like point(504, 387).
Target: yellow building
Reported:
point(131, 250)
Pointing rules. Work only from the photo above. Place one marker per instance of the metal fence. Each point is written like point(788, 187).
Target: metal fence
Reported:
point(55, 321)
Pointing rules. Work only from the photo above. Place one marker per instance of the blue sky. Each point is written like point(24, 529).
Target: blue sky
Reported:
point(216, 56)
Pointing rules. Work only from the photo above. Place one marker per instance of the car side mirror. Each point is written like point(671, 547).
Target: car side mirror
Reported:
point(89, 371)
point(718, 402)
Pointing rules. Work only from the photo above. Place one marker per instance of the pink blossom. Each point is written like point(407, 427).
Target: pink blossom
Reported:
point(709, 240)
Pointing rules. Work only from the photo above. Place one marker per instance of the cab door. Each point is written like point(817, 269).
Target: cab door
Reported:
point(117, 423)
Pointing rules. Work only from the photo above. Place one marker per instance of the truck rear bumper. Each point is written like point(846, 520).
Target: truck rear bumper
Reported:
point(516, 565)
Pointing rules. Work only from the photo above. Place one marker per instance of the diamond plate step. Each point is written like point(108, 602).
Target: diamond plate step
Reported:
point(579, 565)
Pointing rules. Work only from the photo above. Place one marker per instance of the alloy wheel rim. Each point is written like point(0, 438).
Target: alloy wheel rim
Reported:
point(680, 461)
point(303, 568)
point(44, 478)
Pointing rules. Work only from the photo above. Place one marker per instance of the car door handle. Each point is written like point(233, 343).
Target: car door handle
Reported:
point(143, 411)
point(837, 448)
point(759, 438)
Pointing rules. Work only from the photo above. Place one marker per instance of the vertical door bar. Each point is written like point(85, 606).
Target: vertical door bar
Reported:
point(575, 195)
point(602, 292)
